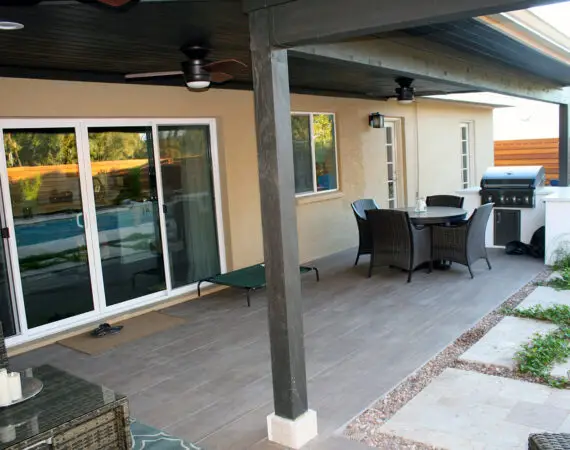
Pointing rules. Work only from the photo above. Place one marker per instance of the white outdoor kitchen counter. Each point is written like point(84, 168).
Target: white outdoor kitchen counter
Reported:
point(552, 210)
point(557, 194)
point(557, 222)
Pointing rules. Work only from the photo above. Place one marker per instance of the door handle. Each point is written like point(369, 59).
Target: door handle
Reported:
point(498, 217)
point(77, 217)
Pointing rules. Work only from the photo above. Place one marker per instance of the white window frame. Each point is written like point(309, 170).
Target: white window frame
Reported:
point(468, 126)
point(314, 165)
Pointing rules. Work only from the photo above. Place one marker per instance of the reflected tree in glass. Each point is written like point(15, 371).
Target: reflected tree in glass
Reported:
point(325, 151)
point(126, 203)
point(46, 201)
point(302, 153)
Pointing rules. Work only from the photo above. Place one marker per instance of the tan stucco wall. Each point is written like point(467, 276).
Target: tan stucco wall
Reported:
point(325, 226)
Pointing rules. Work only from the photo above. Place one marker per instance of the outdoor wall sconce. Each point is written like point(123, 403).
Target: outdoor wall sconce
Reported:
point(376, 120)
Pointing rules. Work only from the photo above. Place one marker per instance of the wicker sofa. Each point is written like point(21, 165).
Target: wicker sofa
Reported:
point(549, 441)
point(68, 414)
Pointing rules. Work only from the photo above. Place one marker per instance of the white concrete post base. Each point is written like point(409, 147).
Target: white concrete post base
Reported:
point(292, 433)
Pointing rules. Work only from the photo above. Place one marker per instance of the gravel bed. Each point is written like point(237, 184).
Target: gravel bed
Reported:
point(366, 427)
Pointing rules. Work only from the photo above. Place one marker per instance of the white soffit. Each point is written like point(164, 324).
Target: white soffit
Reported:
point(532, 31)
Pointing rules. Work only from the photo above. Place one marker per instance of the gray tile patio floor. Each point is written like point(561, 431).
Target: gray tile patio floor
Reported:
point(209, 380)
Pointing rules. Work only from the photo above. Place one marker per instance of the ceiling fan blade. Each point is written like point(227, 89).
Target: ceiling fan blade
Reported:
point(114, 3)
point(19, 2)
point(225, 65)
point(220, 77)
point(132, 76)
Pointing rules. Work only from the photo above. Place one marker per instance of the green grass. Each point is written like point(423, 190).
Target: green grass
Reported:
point(558, 314)
point(562, 266)
point(537, 357)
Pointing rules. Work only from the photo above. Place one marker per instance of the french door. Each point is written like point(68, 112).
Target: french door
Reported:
point(102, 216)
point(394, 163)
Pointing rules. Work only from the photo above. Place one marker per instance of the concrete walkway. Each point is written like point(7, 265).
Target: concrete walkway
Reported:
point(499, 345)
point(463, 410)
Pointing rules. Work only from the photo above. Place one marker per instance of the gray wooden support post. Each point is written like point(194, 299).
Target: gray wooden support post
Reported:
point(563, 138)
point(292, 424)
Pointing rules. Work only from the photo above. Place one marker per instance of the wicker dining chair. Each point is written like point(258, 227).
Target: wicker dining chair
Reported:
point(464, 243)
point(396, 242)
point(359, 208)
point(452, 201)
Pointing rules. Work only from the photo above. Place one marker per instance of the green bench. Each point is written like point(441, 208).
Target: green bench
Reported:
point(249, 278)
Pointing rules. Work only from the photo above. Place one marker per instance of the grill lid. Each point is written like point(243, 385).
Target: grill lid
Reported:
point(513, 177)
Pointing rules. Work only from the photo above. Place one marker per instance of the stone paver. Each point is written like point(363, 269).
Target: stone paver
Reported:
point(500, 344)
point(462, 410)
point(561, 370)
point(546, 296)
point(553, 275)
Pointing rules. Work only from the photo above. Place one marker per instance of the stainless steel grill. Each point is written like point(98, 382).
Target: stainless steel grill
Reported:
point(512, 186)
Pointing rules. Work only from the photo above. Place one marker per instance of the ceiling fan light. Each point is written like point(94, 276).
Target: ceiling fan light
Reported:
point(10, 26)
point(198, 84)
point(405, 95)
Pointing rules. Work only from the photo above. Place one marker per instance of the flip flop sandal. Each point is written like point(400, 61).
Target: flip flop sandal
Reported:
point(115, 329)
point(101, 330)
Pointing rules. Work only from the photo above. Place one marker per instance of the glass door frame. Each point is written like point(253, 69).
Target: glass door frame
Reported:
point(25, 332)
point(101, 310)
point(216, 181)
point(8, 254)
point(101, 299)
point(398, 163)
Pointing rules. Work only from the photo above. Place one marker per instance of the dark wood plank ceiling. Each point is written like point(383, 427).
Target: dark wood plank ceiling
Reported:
point(475, 37)
point(83, 42)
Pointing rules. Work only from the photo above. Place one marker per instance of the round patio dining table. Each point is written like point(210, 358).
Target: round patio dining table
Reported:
point(435, 215)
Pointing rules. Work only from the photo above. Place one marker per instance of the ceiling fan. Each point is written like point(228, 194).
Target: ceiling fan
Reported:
point(406, 94)
point(198, 72)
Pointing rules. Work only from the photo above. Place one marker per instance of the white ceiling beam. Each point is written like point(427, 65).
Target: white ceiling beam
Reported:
point(419, 58)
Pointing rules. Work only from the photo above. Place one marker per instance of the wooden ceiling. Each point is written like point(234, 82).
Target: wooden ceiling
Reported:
point(75, 41)
point(474, 37)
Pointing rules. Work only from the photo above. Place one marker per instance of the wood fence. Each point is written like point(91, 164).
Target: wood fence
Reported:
point(529, 152)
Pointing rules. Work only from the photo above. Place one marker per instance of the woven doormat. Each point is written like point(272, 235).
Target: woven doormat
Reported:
point(133, 329)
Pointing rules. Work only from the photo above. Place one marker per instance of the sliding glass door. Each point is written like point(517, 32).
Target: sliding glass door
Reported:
point(98, 217)
point(126, 204)
point(47, 208)
point(189, 203)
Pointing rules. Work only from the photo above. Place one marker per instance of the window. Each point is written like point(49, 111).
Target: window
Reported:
point(314, 152)
point(465, 155)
